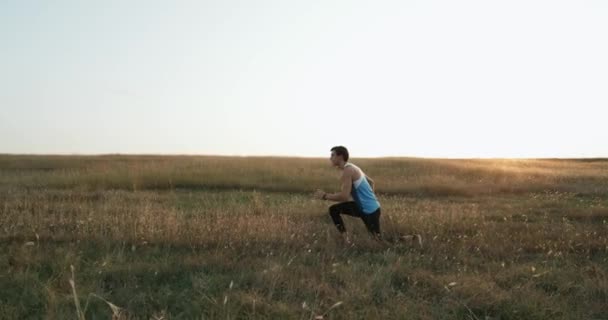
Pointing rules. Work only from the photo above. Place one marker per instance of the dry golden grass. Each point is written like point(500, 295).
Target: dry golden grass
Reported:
point(219, 237)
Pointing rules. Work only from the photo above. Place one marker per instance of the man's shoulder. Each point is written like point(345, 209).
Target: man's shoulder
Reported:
point(348, 171)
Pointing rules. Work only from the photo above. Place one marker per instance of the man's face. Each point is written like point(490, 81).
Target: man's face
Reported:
point(334, 158)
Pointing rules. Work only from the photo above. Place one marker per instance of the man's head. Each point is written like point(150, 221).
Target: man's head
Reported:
point(339, 154)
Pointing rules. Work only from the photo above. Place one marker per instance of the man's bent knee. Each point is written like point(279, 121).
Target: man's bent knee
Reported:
point(334, 209)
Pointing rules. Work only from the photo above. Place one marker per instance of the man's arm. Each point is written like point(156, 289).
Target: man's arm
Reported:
point(370, 181)
point(344, 194)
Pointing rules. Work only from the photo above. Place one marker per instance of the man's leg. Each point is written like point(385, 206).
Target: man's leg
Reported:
point(372, 222)
point(350, 208)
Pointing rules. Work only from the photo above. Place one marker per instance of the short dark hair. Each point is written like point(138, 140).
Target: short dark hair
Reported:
point(341, 151)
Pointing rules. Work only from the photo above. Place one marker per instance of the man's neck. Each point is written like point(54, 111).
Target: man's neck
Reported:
point(341, 165)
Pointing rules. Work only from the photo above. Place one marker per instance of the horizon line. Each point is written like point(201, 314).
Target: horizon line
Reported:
point(294, 156)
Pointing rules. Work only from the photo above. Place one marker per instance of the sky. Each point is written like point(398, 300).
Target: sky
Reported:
point(455, 79)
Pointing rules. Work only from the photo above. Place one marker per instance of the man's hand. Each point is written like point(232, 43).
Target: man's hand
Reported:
point(319, 194)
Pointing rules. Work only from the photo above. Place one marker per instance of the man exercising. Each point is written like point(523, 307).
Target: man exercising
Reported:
point(357, 184)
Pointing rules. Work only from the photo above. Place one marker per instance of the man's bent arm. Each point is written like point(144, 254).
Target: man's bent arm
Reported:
point(344, 194)
point(370, 181)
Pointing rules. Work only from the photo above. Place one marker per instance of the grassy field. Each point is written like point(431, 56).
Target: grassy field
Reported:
point(193, 237)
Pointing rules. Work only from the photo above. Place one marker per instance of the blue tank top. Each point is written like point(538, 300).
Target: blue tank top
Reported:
point(363, 194)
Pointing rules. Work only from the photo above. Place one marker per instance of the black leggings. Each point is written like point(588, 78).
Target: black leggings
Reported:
point(372, 220)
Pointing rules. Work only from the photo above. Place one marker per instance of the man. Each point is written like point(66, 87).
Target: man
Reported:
point(357, 184)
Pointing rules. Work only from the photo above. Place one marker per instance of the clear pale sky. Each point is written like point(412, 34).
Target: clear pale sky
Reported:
point(384, 78)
